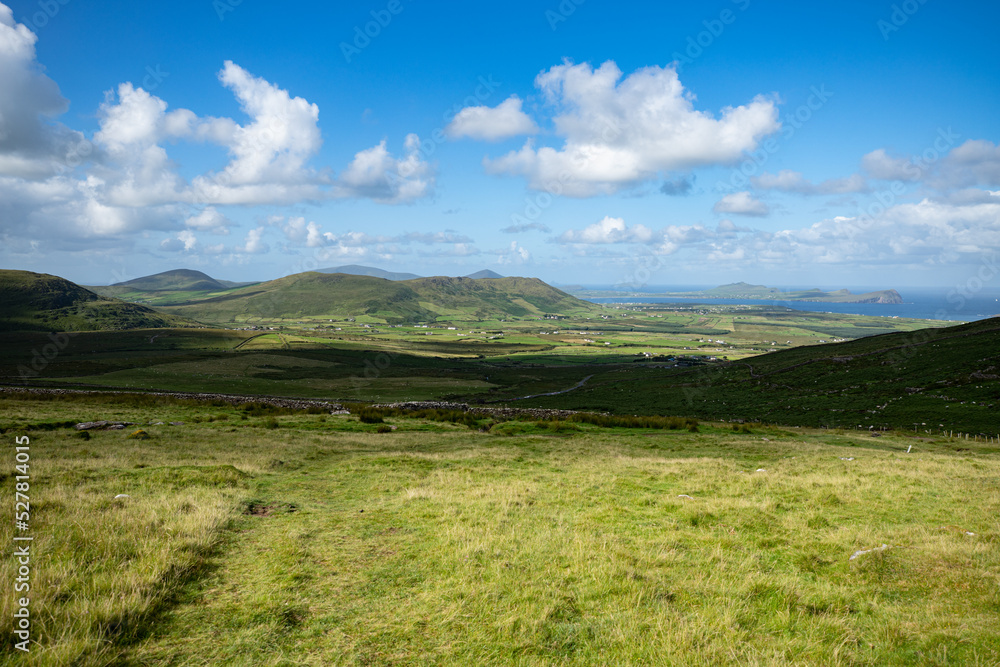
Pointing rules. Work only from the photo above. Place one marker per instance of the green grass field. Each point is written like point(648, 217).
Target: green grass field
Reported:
point(267, 537)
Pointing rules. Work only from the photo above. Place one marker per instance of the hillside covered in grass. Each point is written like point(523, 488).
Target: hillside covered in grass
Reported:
point(42, 302)
point(217, 530)
point(315, 294)
point(925, 378)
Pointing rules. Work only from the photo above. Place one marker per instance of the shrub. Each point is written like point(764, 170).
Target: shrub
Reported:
point(383, 428)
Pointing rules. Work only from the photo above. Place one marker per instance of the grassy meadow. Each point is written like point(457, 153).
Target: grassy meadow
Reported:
point(273, 537)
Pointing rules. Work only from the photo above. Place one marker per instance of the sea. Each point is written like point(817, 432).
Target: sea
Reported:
point(918, 303)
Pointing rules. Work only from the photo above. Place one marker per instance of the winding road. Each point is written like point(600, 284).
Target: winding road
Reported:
point(556, 393)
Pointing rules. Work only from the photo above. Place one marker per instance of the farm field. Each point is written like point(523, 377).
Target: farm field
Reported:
point(364, 359)
point(534, 542)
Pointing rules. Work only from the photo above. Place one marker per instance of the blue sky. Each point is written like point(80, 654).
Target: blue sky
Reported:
point(790, 144)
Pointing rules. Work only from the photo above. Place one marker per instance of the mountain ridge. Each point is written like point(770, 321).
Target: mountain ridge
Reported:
point(32, 301)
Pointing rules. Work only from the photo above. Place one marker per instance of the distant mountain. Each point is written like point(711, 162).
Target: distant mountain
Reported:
point(747, 291)
point(485, 273)
point(754, 292)
point(178, 280)
point(339, 295)
point(358, 270)
point(42, 302)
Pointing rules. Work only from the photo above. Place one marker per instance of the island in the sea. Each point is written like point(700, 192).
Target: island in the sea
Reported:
point(755, 292)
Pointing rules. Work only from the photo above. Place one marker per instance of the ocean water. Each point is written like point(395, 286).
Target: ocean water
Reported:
point(922, 304)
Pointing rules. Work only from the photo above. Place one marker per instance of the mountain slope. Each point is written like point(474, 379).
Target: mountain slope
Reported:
point(177, 280)
point(935, 378)
point(358, 270)
point(42, 302)
point(485, 273)
point(339, 295)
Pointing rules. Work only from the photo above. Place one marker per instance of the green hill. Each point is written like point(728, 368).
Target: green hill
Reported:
point(358, 270)
point(748, 291)
point(930, 377)
point(338, 295)
point(485, 273)
point(41, 302)
point(178, 280)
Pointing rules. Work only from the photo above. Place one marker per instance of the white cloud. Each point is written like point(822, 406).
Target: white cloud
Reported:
point(976, 162)
point(793, 181)
point(513, 254)
point(665, 241)
point(184, 241)
point(608, 230)
point(879, 164)
point(209, 220)
point(927, 233)
point(620, 133)
point(254, 243)
point(377, 175)
point(491, 124)
point(32, 146)
point(298, 231)
point(741, 203)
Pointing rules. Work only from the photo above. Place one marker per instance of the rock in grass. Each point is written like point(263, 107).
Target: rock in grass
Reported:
point(862, 552)
point(103, 425)
point(684, 495)
point(122, 495)
point(138, 435)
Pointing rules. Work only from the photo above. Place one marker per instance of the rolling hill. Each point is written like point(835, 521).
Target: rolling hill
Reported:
point(42, 302)
point(178, 280)
point(747, 291)
point(358, 270)
point(166, 287)
point(923, 379)
point(338, 295)
point(752, 292)
point(485, 273)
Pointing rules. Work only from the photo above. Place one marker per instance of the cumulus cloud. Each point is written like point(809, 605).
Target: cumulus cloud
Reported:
point(492, 123)
point(254, 243)
point(300, 232)
point(518, 228)
point(513, 254)
point(184, 241)
point(664, 241)
point(728, 229)
point(976, 162)
point(793, 181)
point(926, 233)
point(377, 175)
point(209, 220)
point(741, 203)
point(32, 145)
point(608, 230)
point(879, 164)
point(619, 133)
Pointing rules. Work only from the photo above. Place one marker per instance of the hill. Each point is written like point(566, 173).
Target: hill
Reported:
point(338, 295)
point(168, 287)
point(928, 377)
point(485, 273)
point(42, 302)
point(747, 291)
point(178, 280)
point(750, 292)
point(358, 270)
